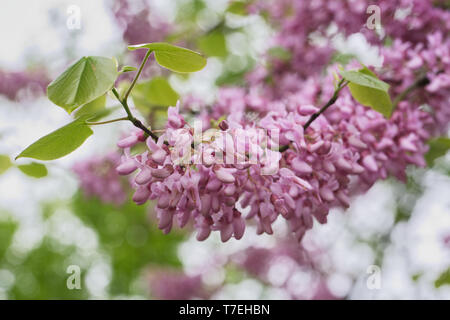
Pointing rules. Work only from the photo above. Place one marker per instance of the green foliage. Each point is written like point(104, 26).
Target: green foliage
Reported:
point(155, 92)
point(5, 163)
point(42, 275)
point(342, 58)
point(174, 58)
point(234, 274)
point(35, 170)
point(92, 107)
point(368, 90)
point(237, 7)
point(279, 53)
point(7, 229)
point(60, 142)
point(364, 77)
point(213, 44)
point(416, 277)
point(127, 69)
point(231, 78)
point(438, 148)
point(189, 10)
point(129, 238)
point(84, 81)
point(444, 279)
point(402, 215)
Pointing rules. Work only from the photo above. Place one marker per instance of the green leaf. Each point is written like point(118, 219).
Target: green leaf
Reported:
point(60, 142)
point(438, 148)
point(377, 99)
point(342, 58)
point(102, 113)
point(156, 92)
point(415, 277)
point(213, 44)
point(237, 7)
point(444, 279)
point(92, 107)
point(366, 78)
point(35, 170)
point(5, 163)
point(127, 69)
point(84, 81)
point(368, 90)
point(279, 53)
point(174, 58)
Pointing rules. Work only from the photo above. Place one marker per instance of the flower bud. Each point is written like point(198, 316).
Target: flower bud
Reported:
point(127, 167)
point(223, 125)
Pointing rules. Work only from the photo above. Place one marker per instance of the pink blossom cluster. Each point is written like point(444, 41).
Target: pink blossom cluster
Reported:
point(384, 146)
point(406, 62)
point(342, 153)
point(314, 175)
point(99, 178)
point(174, 285)
point(17, 84)
point(139, 23)
point(205, 183)
point(295, 272)
point(299, 22)
point(280, 265)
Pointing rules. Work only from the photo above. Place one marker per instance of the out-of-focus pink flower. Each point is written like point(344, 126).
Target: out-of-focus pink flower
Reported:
point(98, 177)
point(20, 84)
point(175, 285)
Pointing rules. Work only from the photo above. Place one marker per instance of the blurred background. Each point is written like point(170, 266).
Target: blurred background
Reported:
point(393, 242)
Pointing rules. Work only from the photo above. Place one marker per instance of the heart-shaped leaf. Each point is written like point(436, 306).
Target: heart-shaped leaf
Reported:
point(84, 81)
point(92, 107)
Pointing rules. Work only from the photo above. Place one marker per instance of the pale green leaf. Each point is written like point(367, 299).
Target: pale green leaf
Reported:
point(280, 53)
point(84, 81)
point(60, 142)
point(237, 7)
point(438, 148)
point(35, 170)
point(174, 58)
point(5, 163)
point(343, 58)
point(127, 69)
point(377, 99)
point(365, 78)
point(156, 92)
point(92, 107)
point(213, 44)
point(443, 279)
point(368, 90)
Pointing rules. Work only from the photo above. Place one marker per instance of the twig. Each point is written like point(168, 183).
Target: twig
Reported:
point(342, 83)
point(147, 55)
point(418, 83)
